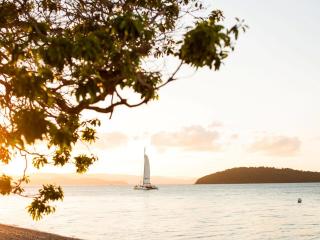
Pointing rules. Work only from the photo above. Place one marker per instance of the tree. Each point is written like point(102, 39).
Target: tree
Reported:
point(61, 58)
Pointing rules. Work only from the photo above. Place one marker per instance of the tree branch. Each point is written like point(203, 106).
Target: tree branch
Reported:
point(170, 79)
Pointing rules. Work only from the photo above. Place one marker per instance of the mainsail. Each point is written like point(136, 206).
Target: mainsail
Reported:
point(146, 170)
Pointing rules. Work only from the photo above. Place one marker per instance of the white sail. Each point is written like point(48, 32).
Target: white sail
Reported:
point(146, 170)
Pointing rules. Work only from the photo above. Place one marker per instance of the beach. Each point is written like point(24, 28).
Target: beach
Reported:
point(15, 233)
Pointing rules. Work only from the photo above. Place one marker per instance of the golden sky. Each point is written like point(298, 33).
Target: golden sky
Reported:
point(260, 109)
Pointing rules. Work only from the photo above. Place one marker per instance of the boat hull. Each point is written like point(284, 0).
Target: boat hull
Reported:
point(145, 187)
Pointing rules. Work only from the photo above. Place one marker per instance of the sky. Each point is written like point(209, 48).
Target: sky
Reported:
point(260, 109)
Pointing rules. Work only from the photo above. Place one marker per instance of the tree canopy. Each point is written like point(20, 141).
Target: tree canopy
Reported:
point(59, 58)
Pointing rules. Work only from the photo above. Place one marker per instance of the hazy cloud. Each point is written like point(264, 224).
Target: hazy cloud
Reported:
point(111, 140)
point(194, 138)
point(276, 145)
point(216, 124)
point(234, 136)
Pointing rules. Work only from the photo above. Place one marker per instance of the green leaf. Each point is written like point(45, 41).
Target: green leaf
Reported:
point(5, 185)
point(40, 205)
point(61, 156)
point(83, 162)
point(31, 124)
point(39, 161)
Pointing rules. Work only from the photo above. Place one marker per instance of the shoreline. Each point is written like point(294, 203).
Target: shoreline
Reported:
point(8, 232)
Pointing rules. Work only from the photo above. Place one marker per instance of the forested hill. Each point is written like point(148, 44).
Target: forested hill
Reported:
point(259, 175)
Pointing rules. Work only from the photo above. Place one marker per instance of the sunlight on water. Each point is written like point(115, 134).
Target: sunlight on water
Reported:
point(253, 211)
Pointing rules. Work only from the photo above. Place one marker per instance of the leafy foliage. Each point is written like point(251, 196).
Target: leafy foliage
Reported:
point(5, 185)
point(40, 204)
point(61, 58)
point(83, 162)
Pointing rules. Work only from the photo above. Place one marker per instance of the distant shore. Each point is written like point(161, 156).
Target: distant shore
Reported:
point(249, 175)
point(16, 233)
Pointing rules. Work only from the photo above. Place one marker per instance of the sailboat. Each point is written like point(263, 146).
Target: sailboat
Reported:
point(146, 185)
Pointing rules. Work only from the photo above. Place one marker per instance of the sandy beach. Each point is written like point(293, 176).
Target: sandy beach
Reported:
point(15, 233)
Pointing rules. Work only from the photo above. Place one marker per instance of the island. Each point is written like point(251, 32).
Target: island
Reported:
point(259, 175)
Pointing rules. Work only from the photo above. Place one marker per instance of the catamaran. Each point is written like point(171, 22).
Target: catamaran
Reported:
point(146, 185)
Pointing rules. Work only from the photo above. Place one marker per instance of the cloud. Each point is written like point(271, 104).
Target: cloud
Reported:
point(234, 136)
point(194, 138)
point(276, 146)
point(111, 140)
point(216, 124)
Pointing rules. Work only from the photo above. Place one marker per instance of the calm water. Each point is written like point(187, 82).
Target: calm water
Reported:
point(253, 211)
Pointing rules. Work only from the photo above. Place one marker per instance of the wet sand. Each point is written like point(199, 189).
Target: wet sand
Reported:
point(15, 233)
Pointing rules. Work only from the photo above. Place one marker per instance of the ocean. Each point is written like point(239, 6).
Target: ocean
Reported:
point(235, 211)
